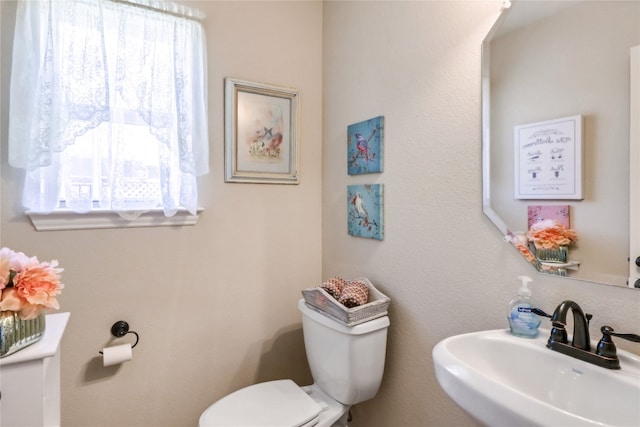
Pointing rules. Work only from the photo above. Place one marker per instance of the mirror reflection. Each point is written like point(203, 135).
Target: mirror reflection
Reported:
point(556, 134)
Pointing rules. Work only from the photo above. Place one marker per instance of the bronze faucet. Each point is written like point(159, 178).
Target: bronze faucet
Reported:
point(580, 347)
point(581, 320)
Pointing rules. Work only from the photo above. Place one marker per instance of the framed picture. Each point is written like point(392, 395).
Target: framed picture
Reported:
point(261, 133)
point(364, 211)
point(548, 159)
point(364, 146)
point(558, 213)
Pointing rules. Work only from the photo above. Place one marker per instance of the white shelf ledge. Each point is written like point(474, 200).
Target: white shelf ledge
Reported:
point(47, 346)
point(66, 219)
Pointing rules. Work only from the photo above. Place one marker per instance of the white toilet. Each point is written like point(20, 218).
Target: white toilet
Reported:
point(346, 364)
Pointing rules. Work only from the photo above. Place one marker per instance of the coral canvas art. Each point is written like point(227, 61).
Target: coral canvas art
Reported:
point(364, 210)
point(364, 146)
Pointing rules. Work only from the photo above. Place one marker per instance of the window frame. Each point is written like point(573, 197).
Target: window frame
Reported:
point(100, 218)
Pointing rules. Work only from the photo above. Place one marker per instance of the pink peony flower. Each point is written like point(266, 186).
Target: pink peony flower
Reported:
point(523, 250)
point(11, 261)
point(11, 301)
point(5, 268)
point(550, 234)
point(27, 285)
point(39, 283)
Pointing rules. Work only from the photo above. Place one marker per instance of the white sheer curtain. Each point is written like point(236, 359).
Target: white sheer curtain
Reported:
point(108, 104)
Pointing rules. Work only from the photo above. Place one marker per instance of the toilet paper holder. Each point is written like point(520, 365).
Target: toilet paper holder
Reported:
point(120, 329)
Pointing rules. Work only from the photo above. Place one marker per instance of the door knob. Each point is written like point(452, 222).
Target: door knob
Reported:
point(638, 261)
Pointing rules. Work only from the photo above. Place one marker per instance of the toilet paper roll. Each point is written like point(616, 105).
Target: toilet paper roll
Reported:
point(116, 354)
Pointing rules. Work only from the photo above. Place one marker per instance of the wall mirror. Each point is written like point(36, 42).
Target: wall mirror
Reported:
point(544, 62)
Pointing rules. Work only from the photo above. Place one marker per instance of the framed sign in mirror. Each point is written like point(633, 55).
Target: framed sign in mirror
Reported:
point(548, 159)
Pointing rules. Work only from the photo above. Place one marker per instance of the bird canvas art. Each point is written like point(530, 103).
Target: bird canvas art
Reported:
point(364, 146)
point(364, 209)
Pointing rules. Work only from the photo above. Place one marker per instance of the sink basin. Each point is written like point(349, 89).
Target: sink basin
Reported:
point(503, 380)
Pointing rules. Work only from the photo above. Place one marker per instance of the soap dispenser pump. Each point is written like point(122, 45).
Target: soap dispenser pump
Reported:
point(522, 322)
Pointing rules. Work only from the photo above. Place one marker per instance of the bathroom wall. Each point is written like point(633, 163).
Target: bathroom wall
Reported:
point(214, 304)
point(442, 262)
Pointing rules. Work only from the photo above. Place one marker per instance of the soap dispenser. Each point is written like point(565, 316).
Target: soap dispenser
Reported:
point(522, 322)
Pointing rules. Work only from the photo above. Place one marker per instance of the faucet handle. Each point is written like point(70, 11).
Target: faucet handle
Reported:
point(540, 312)
point(606, 347)
point(608, 331)
point(558, 332)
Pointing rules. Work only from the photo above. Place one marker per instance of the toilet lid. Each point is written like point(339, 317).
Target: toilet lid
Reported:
point(275, 403)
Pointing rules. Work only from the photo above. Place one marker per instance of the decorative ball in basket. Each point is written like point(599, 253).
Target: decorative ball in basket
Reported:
point(348, 301)
point(28, 287)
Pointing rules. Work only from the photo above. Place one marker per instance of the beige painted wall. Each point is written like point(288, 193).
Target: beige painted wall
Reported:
point(442, 262)
point(233, 279)
point(214, 304)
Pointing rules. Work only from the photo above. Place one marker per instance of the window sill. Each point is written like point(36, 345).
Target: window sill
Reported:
point(66, 219)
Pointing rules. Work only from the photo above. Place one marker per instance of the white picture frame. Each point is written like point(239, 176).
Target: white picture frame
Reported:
point(548, 159)
point(261, 133)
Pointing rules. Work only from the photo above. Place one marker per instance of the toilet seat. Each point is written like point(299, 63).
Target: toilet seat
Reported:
point(275, 403)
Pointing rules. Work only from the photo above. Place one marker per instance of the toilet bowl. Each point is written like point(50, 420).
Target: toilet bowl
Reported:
point(280, 403)
point(346, 363)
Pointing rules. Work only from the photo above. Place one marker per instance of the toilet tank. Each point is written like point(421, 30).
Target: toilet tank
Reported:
point(347, 363)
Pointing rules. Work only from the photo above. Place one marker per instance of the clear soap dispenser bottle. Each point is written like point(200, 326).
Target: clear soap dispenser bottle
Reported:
point(522, 322)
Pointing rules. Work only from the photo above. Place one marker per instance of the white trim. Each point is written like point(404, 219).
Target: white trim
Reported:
point(486, 121)
point(634, 166)
point(66, 219)
point(167, 7)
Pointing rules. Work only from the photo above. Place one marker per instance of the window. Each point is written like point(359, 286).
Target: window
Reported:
point(108, 106)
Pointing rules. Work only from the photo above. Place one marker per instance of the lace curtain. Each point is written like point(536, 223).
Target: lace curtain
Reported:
point(108, 106)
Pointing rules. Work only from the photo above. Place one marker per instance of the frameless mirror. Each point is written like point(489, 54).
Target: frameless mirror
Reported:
point(545, 61)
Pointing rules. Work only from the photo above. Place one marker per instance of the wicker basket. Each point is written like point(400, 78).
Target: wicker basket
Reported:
point(320, 300)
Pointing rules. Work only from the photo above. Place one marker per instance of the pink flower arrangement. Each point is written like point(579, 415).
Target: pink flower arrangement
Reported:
point(523, 249)
point(28, 286)
point(550, 234)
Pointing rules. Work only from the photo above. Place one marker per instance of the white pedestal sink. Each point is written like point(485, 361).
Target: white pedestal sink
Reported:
point(503, 380)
